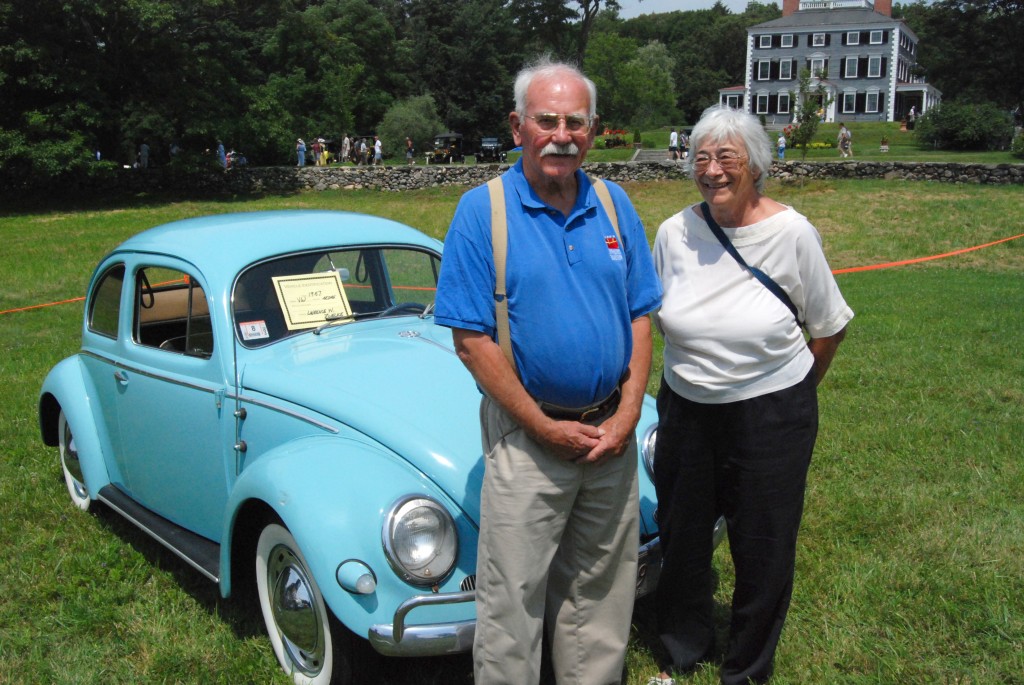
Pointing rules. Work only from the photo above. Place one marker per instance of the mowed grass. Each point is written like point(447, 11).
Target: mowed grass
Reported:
point(909, 567)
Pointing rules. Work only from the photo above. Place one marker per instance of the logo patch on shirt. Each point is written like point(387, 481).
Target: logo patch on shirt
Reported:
point(613, 248)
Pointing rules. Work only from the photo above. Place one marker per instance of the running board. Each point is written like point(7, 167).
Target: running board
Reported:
point(201, 554)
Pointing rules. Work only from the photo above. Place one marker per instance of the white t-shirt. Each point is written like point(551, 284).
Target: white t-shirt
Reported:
point(727, 337)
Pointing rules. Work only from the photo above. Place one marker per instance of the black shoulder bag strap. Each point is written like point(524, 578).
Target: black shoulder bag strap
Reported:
point(764, 278)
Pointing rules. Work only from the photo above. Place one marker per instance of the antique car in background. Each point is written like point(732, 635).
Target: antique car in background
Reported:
point(267, 395)
point(447, 149)
point(490, 151)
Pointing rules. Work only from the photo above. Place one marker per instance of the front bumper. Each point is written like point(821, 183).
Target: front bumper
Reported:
point(434, 639)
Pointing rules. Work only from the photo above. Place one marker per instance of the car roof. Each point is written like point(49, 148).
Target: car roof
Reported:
point(232, 241)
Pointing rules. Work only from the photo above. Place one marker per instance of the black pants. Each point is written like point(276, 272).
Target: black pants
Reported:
point(748, 461)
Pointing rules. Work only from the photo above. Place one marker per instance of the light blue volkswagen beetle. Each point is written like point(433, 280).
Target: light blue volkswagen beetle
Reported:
point(267, 395)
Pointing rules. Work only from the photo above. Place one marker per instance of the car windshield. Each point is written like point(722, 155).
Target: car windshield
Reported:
point(301, 292)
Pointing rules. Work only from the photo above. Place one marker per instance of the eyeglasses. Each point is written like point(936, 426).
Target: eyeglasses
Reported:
point(727, 161)
point(574, 123)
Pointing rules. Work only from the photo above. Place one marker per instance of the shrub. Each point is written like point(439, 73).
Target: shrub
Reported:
point(957, 126)
point(1017, 148)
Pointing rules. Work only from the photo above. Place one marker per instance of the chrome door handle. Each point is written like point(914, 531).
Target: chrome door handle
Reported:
point(121, 377)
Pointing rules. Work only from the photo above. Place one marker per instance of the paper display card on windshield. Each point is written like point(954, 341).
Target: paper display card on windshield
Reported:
point(309, 300)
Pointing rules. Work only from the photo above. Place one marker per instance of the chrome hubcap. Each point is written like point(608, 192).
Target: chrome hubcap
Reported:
point(295, 611)
point(70, 462)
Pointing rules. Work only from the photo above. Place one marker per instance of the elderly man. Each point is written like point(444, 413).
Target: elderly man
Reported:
point(558, 523)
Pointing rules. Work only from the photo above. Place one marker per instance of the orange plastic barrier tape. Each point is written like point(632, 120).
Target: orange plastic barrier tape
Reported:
point(889, 265)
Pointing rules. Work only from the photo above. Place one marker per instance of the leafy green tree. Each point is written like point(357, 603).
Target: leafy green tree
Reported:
point(465, 58)
point(646, 90)
point(972, 49)
point(542, 26)
point(708, 47)
point(965, 126)
point(588, 12)
point(811, 99)
point(415, 117)
point(603, 65)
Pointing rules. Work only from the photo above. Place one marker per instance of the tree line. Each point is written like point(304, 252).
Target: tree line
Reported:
point(81, 77)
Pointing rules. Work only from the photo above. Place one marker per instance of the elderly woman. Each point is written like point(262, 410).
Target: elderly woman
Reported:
point(738, 413)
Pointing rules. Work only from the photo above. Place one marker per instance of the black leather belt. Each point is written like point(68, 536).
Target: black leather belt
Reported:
point(583, 414)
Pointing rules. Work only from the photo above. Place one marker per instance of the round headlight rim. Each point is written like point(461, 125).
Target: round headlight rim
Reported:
point(390, 553)
point(647, 443)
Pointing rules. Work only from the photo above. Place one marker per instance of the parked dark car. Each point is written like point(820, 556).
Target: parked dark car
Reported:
point(448, 148)
point(490, 151)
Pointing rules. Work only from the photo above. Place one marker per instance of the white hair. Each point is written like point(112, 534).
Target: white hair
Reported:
point(545, 67)
point(720, 123)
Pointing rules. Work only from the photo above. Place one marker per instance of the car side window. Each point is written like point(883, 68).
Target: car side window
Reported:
point(412, 275)
point(105, 308)
point(171, 312)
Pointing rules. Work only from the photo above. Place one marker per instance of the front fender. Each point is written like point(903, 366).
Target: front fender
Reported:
point(68, 388)
point(333, 493)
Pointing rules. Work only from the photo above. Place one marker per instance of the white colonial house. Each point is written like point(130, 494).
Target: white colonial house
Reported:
point(863, 57)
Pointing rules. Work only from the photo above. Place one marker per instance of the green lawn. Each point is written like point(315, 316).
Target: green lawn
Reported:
point(867, 137)
point(910, 566)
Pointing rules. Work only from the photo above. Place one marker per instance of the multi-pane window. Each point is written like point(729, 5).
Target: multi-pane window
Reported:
point(871, 102)
point(849, 102)
point(786, 69)
point(851, 68)
point(874, 66)
point(762, 103)
point(732, 101)
point(787, 40)
point(852, 38)
point(818, 40)
point(818, 67)
point(877, 37)
point(765, 42)
point(764, 70)
point(783, 103)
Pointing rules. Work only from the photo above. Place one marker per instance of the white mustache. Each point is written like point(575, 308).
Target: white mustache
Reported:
point(556, 149)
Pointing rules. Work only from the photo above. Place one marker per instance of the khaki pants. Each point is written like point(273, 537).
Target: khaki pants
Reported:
point(558, 541)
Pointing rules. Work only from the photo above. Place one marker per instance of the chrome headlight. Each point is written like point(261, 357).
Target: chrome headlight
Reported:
point(647, 449)
point(420, 540)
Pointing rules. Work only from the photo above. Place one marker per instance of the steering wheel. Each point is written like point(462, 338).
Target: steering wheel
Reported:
point(404, 308)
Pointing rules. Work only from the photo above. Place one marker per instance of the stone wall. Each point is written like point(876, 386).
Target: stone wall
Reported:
point(275, 180)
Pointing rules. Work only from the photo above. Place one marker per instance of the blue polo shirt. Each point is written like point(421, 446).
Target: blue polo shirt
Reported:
point(573, 287)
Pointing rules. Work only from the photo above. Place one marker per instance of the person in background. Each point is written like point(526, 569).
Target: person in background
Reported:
point(780, 146)
point(737, 408)
point(300, 152)
point(346, 147)
point(378, 151)
point(559, 528)
point(409, 151)
point(317, 148)
point(845, 141)
point(673, 145)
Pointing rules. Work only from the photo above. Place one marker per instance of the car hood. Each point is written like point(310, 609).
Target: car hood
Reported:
point(397, 381)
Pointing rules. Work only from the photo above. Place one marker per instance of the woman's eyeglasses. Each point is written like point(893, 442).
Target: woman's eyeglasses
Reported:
point(574, 123)
point(727, 161)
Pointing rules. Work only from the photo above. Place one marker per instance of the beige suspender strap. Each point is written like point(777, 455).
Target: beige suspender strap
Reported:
point(499, 246)
point(606, 201)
